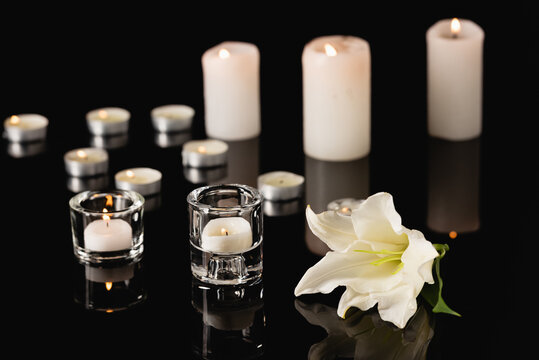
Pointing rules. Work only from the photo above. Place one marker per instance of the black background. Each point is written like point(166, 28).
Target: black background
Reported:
point(63, 61)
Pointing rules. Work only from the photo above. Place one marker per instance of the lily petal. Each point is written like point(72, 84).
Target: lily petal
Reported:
point(337, 231)
point(397, 305)
point(418, 257)
point(353, 269)
point(377, 220)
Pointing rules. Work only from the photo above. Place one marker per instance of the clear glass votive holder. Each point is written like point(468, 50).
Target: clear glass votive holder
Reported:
point(107, 226)
point(225, 233)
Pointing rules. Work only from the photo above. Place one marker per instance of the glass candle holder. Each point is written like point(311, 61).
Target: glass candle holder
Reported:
point(225, 232)
point(107, 226)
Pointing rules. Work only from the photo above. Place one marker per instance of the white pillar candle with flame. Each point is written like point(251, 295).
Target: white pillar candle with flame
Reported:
point(108, 234)
point(455, 79)
point(227, 235)
point(108, 121)
point(231, 77)
point(336, 98)
point(145, 181)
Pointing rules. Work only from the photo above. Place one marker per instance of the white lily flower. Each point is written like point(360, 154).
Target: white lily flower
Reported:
point(378, 260)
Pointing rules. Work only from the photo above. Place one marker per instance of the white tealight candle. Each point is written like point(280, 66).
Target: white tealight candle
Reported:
point(108, 121)
point(86, 162)
point(204, 153)
point(108, 234)
point(172, 118)
point(26, 127)
point(227, 235)
point(145, 181)
point(280, 185)
point(337, 98)
point(232, 90)
point(454, 79)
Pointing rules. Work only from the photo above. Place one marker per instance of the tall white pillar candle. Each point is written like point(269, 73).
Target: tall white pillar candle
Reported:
point(454, 79)
point(231, 76)
point(336, 98)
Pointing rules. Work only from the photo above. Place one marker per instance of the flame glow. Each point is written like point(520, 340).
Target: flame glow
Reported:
point(108, 285)
point(224, 232)
point(224, 53)
point(455, 26)
point(102, 114)
point(202, 149)
point(14, 120)
point(109, 202)
point(130, 174)
point(81, 154)
point(330, 50)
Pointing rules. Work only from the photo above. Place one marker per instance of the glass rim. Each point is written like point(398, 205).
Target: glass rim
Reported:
point(193, 198)
point(137, 199)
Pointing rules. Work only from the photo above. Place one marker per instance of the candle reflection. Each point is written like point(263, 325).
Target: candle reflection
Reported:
point(228, 321)
point(453, 186)
point(109, 142)
point(243, 163)
point(109, 288)
point(21, 150)
point(327, 181)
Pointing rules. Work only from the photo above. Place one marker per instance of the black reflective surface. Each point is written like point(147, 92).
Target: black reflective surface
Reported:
point(485, 189)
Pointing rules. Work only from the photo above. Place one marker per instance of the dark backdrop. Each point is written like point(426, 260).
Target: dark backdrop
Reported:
point(62, 61)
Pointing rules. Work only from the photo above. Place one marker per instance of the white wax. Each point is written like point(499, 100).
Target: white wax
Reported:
point(171, 118)
point(26, 127)
point(143, 180)
point(108, 235)
point(232, 91)
point(280, 185)
point(108, 121)
point(454, 80)
point(337, 98)
point(226, 235)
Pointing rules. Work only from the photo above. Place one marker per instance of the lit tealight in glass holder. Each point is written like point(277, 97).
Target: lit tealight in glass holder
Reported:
point(225, 231)
point(107, 226)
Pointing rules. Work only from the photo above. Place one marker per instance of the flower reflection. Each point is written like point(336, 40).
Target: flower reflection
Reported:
point(363, 335)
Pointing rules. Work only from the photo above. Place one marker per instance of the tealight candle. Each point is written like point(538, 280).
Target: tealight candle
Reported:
point(232, 90)
point(26, 127)
point(86, 162)
point(204, 153)
point(454, 79)
point(227, 235)
point(280, 185)
point(108, 121)
point(107, 226)
point(108, 234)
point(145, 181)
point(336, 98)
point(172, 118)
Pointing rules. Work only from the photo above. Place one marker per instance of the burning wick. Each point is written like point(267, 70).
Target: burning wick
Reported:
point(224, 232)
point(224, 54)
point(455, 28)
point(14, 120)
point(330, 50)
point(201, 149)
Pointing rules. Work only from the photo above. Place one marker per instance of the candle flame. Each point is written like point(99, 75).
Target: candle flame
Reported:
point(455, 27)
point(453, 234)
point(224, 232)
point(224, 53)
point(130, 174)
point(102, 114)
point(109, 202)
point(81, 154)
point(108, 285)
point(345, 210)
point(14, 120)
point(202, 149)
point(105, 216)
point(330, 50)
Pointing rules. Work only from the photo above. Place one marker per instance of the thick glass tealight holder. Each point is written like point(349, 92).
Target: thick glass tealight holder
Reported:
point(225, 233)
point(107, 226)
